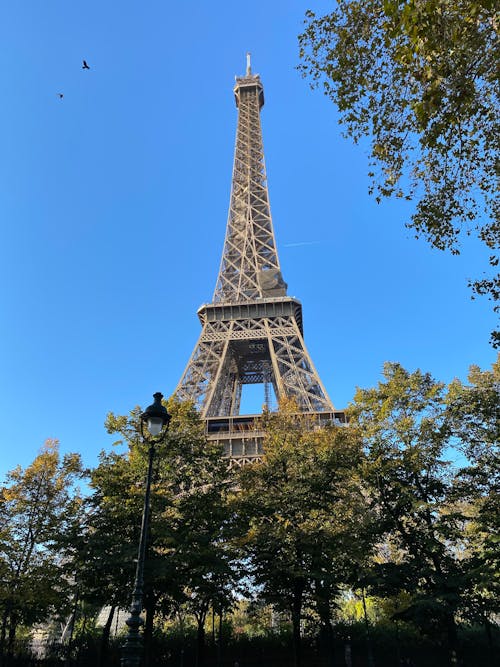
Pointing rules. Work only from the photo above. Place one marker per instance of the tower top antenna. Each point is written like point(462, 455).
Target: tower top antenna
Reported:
point(249, 68)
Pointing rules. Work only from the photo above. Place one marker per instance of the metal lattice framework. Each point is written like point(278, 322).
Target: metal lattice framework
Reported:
point(252, 332)
point(250, 267)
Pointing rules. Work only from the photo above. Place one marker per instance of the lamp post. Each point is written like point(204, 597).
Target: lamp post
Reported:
point(154, 426)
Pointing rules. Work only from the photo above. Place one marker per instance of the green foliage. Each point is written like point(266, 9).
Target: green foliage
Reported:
point(420, 79)
point(197, 521)
point(428, 515)
point(307, 524)
point(189, 561)
point(329, 517)
point(251, 618)
point(103, 543)
point(36, 505)
point(474, 411)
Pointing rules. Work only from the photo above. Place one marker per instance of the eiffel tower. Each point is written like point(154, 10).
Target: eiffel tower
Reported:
point(251, 331)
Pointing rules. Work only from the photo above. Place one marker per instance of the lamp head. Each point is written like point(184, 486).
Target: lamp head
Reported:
point(155, 417)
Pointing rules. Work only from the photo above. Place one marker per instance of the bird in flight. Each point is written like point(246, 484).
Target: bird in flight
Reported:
point(60, 95)
point(85, 66)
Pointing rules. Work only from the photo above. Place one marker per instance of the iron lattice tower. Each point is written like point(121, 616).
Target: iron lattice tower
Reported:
point(252, 331)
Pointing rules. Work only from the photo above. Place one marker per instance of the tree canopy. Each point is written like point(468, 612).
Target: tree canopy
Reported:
point(376, 511)
point(189, 562)
point(37, 504)
point(419, 78)
point(307, 523)
point(406, 436)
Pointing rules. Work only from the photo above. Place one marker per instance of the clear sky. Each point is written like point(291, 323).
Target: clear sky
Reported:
point(113, 206)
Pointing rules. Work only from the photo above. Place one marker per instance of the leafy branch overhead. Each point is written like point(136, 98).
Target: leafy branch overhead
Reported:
point(420, 79)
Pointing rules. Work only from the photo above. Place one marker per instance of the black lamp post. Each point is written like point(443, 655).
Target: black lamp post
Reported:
point(154, 426)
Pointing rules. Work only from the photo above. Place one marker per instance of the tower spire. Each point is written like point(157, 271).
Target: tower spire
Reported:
point(249, 68)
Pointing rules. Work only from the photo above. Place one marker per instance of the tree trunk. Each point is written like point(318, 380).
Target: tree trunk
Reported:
point(296, 616)
point(181, 624)
point(72, 622)
point(451, 631)
point(326, 630)
point(3, 633)
point(103, 651)
point(487, 628)
point(326, 642)
point(81, 638)
point(371, 661)
point(200, 642)
point(219, 643)
point(13, 621)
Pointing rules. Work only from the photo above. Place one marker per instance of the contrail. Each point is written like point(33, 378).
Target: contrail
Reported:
point(300, 243)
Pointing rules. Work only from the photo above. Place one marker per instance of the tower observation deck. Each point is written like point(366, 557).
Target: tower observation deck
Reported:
point(251, 331)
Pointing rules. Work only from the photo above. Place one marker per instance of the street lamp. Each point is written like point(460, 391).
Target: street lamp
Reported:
point(154, 426)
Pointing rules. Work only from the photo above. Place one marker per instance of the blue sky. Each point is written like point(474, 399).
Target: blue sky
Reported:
point(113, 206)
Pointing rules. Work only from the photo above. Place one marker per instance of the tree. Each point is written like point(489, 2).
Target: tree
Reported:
point(306, 517)
point(196, 542)
point(188, 560)
point(36, 507)
point(474, 410)
point(420, 79)
point(101, 546)
point(413, 489)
